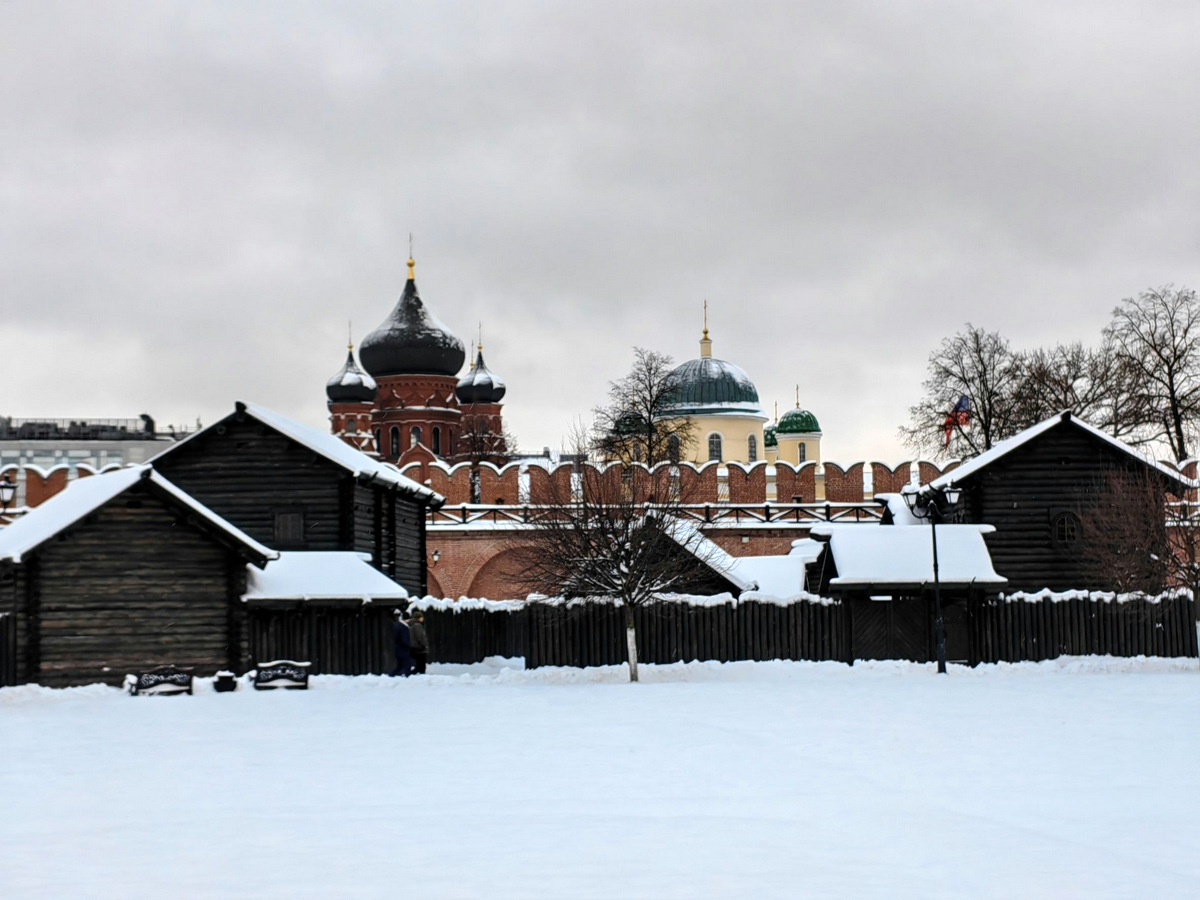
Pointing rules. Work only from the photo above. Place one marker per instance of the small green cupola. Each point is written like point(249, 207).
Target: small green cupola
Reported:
point(798, 421)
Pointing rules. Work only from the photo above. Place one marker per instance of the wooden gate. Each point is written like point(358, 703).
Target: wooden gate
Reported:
point(891, 629)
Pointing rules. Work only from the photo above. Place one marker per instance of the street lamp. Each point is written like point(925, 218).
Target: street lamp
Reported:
point(931, 503)
point(8, 490)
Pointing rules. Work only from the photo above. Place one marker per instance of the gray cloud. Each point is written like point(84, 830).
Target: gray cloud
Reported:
point(197, 198)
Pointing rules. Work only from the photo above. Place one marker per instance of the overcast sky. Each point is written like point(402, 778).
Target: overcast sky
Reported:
point(196, 197)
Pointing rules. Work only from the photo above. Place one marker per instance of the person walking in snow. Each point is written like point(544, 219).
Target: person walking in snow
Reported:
point(402, 645)
point(420, 643)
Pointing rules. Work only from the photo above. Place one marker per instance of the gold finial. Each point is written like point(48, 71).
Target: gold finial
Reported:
point(411, 263)
point(349, 335)
point(776, 412)
point(705, 343)
point(797, 396)
point(480, 337)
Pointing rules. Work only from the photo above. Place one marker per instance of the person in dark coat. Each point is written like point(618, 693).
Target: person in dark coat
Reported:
point(402, 646)
point(420, 643)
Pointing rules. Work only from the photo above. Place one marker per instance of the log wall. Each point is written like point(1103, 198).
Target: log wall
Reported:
point(132, 586)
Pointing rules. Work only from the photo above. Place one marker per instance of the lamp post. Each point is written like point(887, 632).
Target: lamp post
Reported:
point(929, 503)
point(8, 490)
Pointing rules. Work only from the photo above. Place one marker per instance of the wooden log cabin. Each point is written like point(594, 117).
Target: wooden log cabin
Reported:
point(294, 487)
point(121, 572)
point(1036, 486)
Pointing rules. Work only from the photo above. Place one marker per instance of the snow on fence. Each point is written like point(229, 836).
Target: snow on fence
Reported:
point(358, 640)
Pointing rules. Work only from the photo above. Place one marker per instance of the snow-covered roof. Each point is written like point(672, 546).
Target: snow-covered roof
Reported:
point(688, 536)
point(971, 466)
point(320, 574)
point(901, 514)
point(332, 448)
point(85, 495)
point(774, 576)
point(903, 555)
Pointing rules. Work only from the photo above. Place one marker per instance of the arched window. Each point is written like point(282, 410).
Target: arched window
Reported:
point(673, 448)
point(414, 436)
point(751, 448)
point(437, 441)
point(395, 436)
point(803, 452)
point(378, 442)
point(714, 447)
point(352, 426)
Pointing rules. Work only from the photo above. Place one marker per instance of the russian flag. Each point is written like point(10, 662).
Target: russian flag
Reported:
point(960, 415)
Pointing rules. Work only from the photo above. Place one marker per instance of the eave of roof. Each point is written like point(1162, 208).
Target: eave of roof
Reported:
point(85, 496)
point(328, 446)
point(1002, 449)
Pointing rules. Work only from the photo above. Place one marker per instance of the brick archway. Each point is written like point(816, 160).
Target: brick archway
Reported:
point(433, 587)
point(497, 579)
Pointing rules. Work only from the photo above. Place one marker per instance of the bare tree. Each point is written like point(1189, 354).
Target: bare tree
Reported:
point(480, 440)
point(1123, 540)
point(611, 533)
point(981, 365)
point(637, 424)
point(1157, 335)
point(1096, 384)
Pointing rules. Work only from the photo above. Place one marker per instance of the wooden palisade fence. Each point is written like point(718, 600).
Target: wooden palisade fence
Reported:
point(358, 640)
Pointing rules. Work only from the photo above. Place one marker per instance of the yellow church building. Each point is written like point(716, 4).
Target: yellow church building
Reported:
point(728, 422)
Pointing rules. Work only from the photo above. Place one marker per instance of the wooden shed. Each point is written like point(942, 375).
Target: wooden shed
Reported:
point(1035, 486)
point(883, 574)
point(294, 487)
point(120, 572)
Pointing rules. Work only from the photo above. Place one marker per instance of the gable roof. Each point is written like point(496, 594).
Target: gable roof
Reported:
point(902, 555)
point(687, 535)
point(86, 495)
point(985, 459)
point(328, 446)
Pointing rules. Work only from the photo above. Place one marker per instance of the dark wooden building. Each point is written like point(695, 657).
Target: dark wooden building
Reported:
point(883, 575)
point(293, 487)
point(121, 572)
point(1036, 486)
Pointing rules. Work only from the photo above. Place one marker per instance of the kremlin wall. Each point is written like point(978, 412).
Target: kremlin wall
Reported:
point(750, 485)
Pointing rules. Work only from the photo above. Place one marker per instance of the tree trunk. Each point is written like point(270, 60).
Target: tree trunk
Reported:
point(631, 641)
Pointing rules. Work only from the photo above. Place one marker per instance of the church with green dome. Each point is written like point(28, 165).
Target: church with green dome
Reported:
point(728, 422)
point(797, 436)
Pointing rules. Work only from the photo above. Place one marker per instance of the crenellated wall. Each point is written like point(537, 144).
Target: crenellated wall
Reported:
point(518, 484)
point(536, 483)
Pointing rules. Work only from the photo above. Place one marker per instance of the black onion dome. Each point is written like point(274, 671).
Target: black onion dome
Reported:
point(351, 384)
point(411, 341)
point(480, 384)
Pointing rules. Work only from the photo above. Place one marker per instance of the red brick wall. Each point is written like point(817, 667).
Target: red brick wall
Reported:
point(843, 485)
point(747, 485)
point(39, 489)
point(885, 480)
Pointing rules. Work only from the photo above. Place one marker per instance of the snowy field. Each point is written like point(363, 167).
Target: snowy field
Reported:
point(1072, 779)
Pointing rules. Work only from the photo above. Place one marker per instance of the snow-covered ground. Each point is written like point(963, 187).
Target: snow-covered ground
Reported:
point(1079, 778)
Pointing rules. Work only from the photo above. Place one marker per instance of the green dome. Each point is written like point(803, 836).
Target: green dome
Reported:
point(708, 386)
point(769, 437)
point(798, 421)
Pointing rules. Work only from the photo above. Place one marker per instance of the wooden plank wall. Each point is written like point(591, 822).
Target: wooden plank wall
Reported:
point(133, 586)
point(358, 640)
point(593, 634)
point(1046, 629)
point(247, 472)
point(1020, 492)
point(8, 649)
